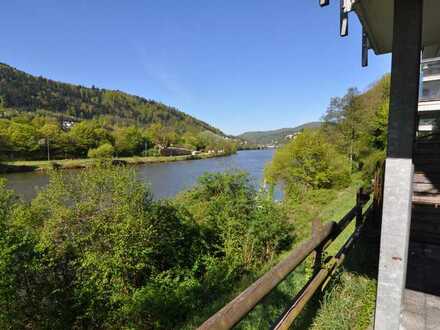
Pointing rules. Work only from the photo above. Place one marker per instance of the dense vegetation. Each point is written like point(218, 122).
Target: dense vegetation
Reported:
point(37, 114)
point(308, 162)
point(28, 136)
point(352, 139)
point(275, 137)
point(94, 250)
point(314, 168)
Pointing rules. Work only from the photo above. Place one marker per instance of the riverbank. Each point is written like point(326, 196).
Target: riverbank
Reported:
point(45, 165)
point(165, 179)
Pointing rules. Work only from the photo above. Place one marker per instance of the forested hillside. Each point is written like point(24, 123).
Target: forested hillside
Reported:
point(37, 114)
point(24, 92)
point(275, 136)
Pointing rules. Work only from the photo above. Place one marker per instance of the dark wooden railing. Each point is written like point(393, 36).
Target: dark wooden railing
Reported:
point(322, 236)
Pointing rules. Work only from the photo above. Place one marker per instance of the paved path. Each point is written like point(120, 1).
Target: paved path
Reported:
point(420, 311)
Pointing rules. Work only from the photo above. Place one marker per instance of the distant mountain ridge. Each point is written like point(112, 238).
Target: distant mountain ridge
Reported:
point(275, 136)
point(23, 92)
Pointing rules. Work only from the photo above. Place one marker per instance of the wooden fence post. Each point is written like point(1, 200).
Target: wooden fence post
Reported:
point(316, 228)
point(359, 205)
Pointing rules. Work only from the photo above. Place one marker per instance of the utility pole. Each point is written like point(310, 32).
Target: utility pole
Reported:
point(48, 148)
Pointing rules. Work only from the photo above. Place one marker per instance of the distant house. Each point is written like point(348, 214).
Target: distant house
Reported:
point(67, 124)
point(291, 136)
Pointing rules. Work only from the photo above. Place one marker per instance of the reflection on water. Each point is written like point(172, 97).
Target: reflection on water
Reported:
point(166, 179)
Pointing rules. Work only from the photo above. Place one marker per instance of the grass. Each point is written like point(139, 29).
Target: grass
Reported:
point(348, 304)
point(44, 165)
point(348, 301)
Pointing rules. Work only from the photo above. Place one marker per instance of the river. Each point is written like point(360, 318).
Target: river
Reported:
point(165, 179)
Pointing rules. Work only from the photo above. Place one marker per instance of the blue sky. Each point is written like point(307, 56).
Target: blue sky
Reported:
point(239, 65)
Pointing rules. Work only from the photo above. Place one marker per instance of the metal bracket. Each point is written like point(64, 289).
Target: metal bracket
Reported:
point(343, 18)
point(324, 3)
point(365, 46)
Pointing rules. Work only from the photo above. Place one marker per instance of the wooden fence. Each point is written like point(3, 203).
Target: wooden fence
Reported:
point(322, 236)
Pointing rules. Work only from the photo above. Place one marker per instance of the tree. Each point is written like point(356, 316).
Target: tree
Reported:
point(105, 150)
point(23, 139)
point(342, 119)
point(162, 136)
point(190, 140)
point(52, 134)
point(307, 162)
point(357, 123)
point(129, 141)
point(5, 145)
point(88, 135)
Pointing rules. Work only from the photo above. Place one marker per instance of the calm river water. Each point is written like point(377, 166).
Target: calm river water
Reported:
point(166, 179)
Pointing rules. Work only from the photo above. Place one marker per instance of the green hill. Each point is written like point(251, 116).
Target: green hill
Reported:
point(23, 92)
point(275, 136)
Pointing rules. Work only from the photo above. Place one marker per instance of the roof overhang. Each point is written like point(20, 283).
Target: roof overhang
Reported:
point(376, 17)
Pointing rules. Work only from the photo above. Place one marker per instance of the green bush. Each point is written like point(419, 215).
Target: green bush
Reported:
point(241, 226)
point(104, 151)
point(29, 284)
point(94, 250)
point(117, 241)
point(308, 162)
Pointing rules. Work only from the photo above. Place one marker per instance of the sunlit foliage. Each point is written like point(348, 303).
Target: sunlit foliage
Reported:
point(94, 250)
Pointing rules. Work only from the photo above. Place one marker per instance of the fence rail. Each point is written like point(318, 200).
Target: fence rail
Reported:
point(322, 236)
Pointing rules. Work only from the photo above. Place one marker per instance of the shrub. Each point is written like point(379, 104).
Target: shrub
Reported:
point(94, 250)
point(29, 285)
point(239, 225)
point(105, 226)
point(104, 151)
point(308, 162)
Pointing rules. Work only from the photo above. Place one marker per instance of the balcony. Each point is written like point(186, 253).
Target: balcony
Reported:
point(431, 68)
point(430, 89)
